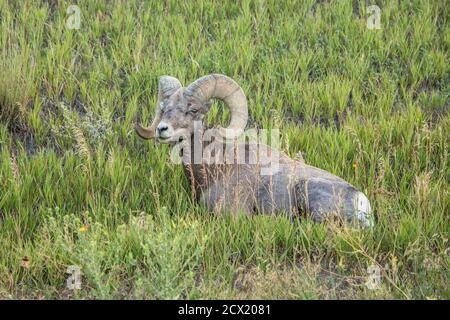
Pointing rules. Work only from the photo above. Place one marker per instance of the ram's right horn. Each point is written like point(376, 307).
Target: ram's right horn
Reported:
point(167, 86)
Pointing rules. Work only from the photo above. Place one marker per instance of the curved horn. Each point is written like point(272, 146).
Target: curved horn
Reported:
point(166, 87)
point(226, 89)
point(149, 132)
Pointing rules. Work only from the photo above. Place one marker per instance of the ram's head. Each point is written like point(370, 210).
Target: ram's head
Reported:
point(179, 108)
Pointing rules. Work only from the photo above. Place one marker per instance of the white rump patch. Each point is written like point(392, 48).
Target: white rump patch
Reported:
point(363, 210)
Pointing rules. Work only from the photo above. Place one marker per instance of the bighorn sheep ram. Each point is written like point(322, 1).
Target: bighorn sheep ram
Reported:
point(241, 186)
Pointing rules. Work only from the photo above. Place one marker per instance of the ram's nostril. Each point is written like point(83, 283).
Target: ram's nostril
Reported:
point(162, 128)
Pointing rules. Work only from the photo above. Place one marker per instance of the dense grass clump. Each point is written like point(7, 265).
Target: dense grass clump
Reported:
point(77, 187)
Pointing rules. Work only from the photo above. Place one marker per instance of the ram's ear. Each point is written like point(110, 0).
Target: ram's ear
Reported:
point(167, 87)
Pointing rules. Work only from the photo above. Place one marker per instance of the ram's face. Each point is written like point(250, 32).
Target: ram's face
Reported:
point(178, 116)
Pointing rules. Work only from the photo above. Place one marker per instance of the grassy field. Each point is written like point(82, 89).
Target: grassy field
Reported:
point(77, 186)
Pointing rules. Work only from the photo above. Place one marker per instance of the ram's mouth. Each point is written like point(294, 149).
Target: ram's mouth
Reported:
point(170, 139)
point(164, 139)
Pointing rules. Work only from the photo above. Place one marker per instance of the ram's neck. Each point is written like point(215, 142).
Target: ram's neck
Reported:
point(195, 169)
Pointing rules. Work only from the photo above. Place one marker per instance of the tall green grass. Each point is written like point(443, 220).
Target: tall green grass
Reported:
point(77, 187)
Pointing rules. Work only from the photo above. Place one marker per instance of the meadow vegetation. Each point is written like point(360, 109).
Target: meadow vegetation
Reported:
point(78, 187)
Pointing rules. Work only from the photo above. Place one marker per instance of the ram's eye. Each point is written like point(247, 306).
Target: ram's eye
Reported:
point(190, 108)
